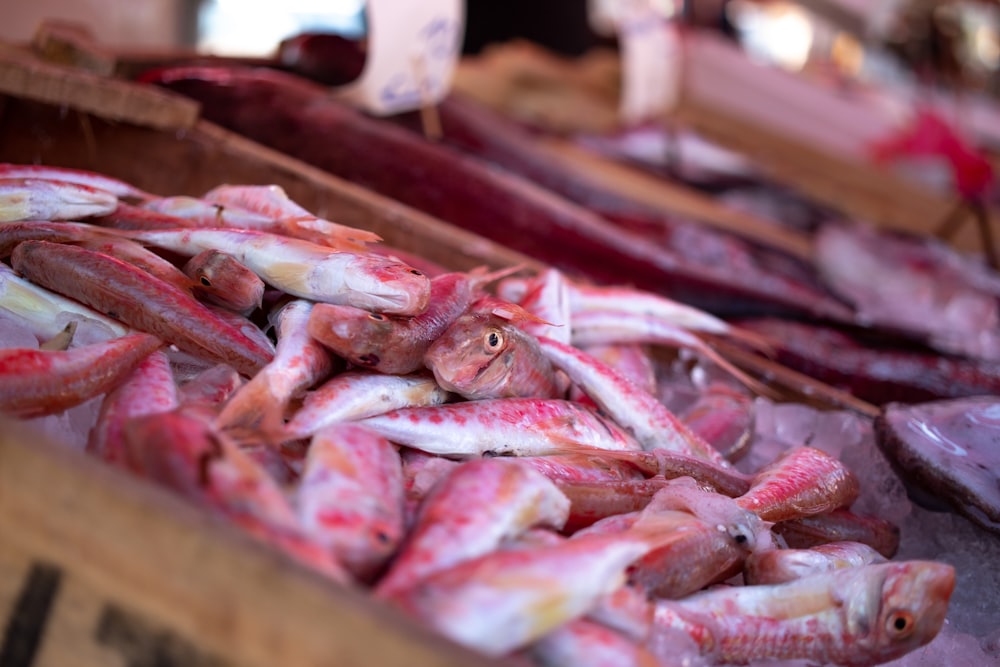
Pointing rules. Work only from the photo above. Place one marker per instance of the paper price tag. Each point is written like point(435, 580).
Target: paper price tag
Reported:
point(413, 47)
point(650, 49)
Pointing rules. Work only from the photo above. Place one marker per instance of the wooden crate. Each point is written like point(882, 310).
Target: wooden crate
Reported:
point(95, 563)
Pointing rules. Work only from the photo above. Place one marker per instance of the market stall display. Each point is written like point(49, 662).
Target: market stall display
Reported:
point(559, 462)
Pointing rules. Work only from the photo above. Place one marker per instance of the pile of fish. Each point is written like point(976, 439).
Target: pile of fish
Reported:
point(493, 453)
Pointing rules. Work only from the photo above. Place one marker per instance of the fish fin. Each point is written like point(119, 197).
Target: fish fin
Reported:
point(62, 340)
point(333, 234)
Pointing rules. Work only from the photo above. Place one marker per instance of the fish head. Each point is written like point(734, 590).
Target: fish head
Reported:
point(915, 598)
point(385, 285)
point(359, 336)
point(473, 357)
point(895, 608)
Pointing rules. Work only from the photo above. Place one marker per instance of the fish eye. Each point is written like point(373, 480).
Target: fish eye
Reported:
point(416, 273)
point(900, 624)
point(378, 317)
point(205, 281)
point(492, 341)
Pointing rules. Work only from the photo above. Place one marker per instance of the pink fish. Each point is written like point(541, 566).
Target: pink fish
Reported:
point(840, 526)
point(34, 383)
point(308, 270)
point(222, 280)
point(468, 514)
point(138, 299)
point(802, 482)
point(638, 411)
point(298, 364)
point(505, 600)
point(149, 388)
point(856, 616)
point(125, 216)
point(701, 555)
point(583, 643)
point(89, 178)
point(350, 497)
point(38, 199)
point(782, 565)
point(396, 345)
point(485, 354)
point(514, 426)
point(271, 201)
point(357, 394)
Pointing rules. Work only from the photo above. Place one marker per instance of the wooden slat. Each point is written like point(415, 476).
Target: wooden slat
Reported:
point(99, 564)
point(678, 199)
point(24, 76)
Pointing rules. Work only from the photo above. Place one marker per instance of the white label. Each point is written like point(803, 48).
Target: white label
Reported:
point(650, 49)
point(413, 46)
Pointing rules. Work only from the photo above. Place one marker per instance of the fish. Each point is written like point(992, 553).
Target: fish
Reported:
point(391, 344)
point(212, 386)
point(140, 257)
point(839, 526)
point(508, 599)
point(499, 426)
point(485, 354)
point(127, 217)
point(222, 280)
point(652, 424)
point(273, 202)
point(140, 300)
point(803, 481)
point(148, 388)
point(39, 199)
point(468, 514)
point(34, 383)
point(584, 643)
point(307, 270)
point(299, 363)
point(91, 179)
point(632, 360)
point(701, 555)
point(856, 616)
point(12, 233)
point(350, 497)
point(45, 310)
point(355, 395)
point(782, 565)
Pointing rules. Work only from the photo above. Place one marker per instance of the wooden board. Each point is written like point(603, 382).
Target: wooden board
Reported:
point(24, 76)
point(99, 568)
point(678, 199)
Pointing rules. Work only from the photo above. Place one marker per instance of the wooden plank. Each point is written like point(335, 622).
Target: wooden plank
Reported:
point(803, 135)
point(95, 563)
point(24, 76)
point(678, 199)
